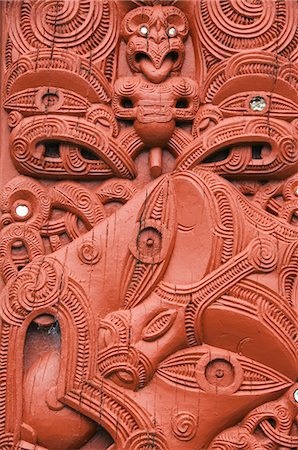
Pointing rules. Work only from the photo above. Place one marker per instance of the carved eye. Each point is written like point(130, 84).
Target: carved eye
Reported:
point(50, 99)
point(144, 30)
point(257, 104)
point(22, 210)
point(172, 32)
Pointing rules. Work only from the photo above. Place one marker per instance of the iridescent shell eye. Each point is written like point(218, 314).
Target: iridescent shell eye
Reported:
point(257, 104)
point(172, 32)
point(144, 30)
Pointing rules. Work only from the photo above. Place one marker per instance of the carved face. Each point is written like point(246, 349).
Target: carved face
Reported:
point(155, 40)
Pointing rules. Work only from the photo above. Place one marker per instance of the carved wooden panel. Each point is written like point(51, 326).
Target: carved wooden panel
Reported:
point(149, 225)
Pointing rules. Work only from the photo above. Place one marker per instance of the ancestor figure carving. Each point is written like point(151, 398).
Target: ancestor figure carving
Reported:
point(148, 227)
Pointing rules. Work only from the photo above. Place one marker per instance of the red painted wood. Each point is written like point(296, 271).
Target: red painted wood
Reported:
point(148, 228)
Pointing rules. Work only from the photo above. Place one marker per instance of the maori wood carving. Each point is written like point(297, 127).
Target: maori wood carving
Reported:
point(148, 227)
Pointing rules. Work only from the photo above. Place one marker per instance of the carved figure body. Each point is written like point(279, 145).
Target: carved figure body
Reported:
point(155, 108)
point(157, 96)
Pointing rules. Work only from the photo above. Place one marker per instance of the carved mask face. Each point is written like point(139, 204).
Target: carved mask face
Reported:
point(155, 40)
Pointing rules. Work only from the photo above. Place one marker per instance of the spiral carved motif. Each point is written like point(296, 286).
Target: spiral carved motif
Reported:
point(21, 150)
point(14, 119)
point(263, 254)
point(154, 2)
point(288, 150)
point(119, 190)
point(143, 440)
point(89, 252)
point(86, 27)
point(184, 425)
point(38, 286)
point(229, 26)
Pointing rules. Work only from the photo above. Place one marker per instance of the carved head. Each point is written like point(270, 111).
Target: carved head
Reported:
point(155, 37)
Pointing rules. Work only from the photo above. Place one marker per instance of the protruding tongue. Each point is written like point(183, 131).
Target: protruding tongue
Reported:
point(152, 73)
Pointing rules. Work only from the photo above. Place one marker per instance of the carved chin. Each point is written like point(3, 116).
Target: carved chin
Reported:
point(152, 73)
point(155, 133)
point(49, 423)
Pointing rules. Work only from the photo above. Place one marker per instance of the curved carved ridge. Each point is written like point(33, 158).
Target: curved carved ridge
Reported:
point(60, 62)
point(59, 294)
point(38, 232)
point(280, 136)
point(255, 215)
point(37, 100)
point(281, 411)
point(126, 421)
point(151, 245)
point(28, 152)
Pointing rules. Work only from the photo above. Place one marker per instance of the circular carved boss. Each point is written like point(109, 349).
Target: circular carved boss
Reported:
point(219, 373)
point(150, 242)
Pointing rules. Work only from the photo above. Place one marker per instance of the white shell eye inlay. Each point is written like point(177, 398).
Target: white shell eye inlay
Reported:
point(144, 30)
point(22, 210)
point(296, 395)
point(172, 31)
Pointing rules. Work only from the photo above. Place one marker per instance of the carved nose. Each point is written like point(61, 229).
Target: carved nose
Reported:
point(161, 36)
point(157, 35)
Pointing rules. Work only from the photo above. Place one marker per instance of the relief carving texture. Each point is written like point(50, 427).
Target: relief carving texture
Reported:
point(148, 227)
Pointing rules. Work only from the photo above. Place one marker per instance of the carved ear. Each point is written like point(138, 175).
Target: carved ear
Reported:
point(135, 19)
point(151, 245)
point(139, 19)
point(177, 19)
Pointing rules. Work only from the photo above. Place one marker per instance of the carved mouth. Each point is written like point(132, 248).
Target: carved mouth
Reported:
point(257, 151)
point(140, 56)
point(156, 69)
point(246, 158)
point(171, 56)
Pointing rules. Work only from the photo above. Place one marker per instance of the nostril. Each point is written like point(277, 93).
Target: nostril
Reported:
point(157, 38)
